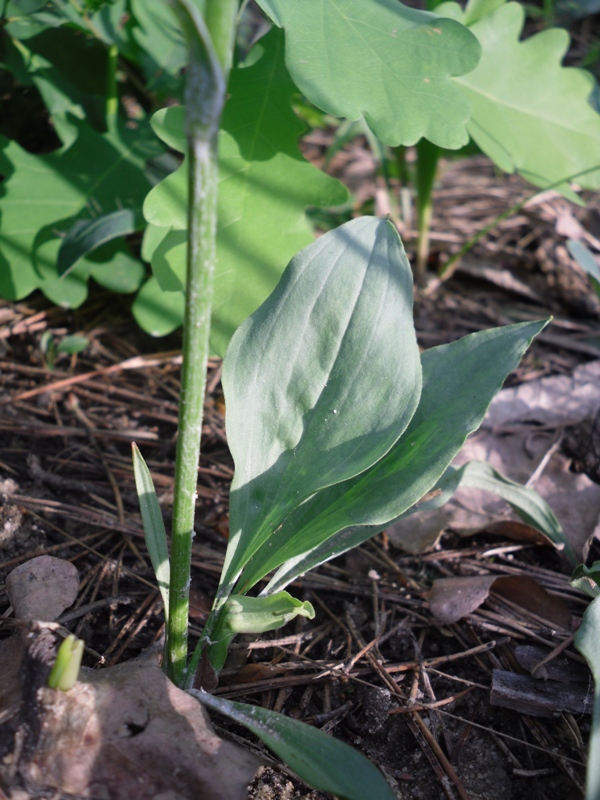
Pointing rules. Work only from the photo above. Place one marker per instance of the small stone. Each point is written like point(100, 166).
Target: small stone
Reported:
point(42, 588)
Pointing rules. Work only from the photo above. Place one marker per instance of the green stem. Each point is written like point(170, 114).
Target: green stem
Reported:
point(428, 155)
point(401, 166)
point(205, 95)
point(112, 95)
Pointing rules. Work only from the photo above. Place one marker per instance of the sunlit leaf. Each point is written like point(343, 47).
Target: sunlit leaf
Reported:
point(459, 381)
point(265, 187)
point(321, 381)
point(383, 61)
point(530, 114)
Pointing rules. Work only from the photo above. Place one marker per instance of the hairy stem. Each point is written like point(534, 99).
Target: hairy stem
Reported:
point(205, 95)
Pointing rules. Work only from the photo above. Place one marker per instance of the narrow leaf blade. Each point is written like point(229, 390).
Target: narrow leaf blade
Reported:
point(86, 235)
point(154, 527)
point(587, 641)
point(322, 761)
point(532, 508)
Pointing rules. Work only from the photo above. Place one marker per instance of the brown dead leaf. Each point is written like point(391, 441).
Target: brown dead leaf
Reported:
point(419, 532)
point(450, 599)
point(42, 588)
point(251, 673)
point(121, 733)
point(517, 532)
point(527, 593)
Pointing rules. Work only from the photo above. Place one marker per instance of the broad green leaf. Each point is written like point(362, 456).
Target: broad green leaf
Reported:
point(322, 761)
point(265, 186)
point(459, 381)
point(154, 527)
point(383, 61)
point(115, 268)
point(587, 641)
point(321, 381)
point(530, 114)
point(99, 172)
point(162, 52)
point(88, 234)
point(158, 313)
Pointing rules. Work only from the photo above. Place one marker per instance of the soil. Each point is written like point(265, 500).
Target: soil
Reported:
point(374, 668)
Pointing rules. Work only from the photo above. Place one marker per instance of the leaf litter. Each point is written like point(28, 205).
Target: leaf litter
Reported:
point(376, 667)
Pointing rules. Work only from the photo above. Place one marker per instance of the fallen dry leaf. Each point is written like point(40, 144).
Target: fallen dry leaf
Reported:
point(451, 599)
point(120, 733)
point(557, 400)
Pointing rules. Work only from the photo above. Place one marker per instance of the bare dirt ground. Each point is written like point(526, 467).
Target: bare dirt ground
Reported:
point(375, 668)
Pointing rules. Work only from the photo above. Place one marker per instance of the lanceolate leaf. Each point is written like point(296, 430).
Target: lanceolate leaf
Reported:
point(87, 235)
point(478, 474)
point(321, 381)
point(154, 527)
point(459, 381)
point(382, 61)
point(322, 761)
point(530, 114)
point(265, 186)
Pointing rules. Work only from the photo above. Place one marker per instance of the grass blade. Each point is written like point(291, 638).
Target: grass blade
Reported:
point(587, 641)
point(154, 527)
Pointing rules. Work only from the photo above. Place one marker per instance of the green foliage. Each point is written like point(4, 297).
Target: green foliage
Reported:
point(587, 579)
point(65, 671)
point(45, 195)
point(323, 461)
point(265, 185)
point(587, 641)
point(529, 114)
point(154, 527)
point(327, 422)
point(307, 750)
point(72, 344)
point(383, 61)
point(338, 324)
point(97, 178)
point(87, 235)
